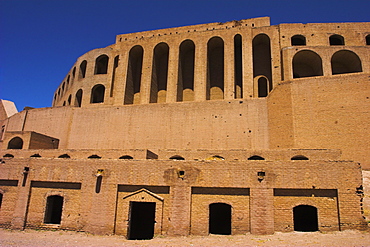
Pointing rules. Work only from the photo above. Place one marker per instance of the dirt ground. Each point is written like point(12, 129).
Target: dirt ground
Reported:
point(68, 238)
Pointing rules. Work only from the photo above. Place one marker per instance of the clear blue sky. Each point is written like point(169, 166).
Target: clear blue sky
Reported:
point(41, 39)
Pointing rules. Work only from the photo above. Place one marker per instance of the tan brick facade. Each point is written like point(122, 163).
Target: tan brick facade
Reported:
point(221, 128)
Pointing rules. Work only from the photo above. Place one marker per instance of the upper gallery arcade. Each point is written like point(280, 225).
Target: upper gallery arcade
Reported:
point(233, 60)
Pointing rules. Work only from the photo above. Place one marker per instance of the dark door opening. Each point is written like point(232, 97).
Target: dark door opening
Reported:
point(305, 218)
point(220, 218)
point(54, 207)
point(142, 219)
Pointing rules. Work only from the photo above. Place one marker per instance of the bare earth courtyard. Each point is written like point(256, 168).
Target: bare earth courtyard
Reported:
point(69, 238)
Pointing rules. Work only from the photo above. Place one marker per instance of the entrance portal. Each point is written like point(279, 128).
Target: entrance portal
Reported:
point(142, 219)
point(53, 212)
point(220, 218)
point(305, 218)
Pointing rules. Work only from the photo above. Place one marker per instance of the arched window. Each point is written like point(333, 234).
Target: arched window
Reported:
point(215, 69)
point(83, 66)
point(305, 218)
point(9, 156)
point(63, 86)
point(54, 208)
point(220, 218)
point(101, 64)
point(158, 89)
point(298, 40)
point(97, 94)
point(262, 57)
point(78, 98)
point(185, 90)
point(64, 156)
point(177, 157)
point(126, 157)
point(133, 79)
point(69, 99)
point(15, 143)
point(336, 39)
point(256, 157)
point(1, 199)
point(238, 67)
point(94, 156)
point(368, 39)
point(73, 73)
point(345, 61)
point(299, 157)
point(307, 63)
point(35, 156)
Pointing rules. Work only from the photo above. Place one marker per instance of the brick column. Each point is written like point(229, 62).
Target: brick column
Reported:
point(119, 86)
point(21, 206)
point(262, 210)
point(100, 207)
point(172, 77)
point(200, 71)
point(247, 64)
point(146, 76)
point(180, 210)
point(229, 68)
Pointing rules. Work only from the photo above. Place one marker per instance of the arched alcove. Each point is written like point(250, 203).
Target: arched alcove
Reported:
point(305, 218)
point(133, 79)
point(97, 94)
point(263, 87)
point(101, 64)
point(158, 89)
point(15, 143)
point(78, 98)
point(262, 57)
point(215, 69)
point(83, 66)
point(220, 218)
point(185, 85)
point(336, 39)
point(298, 40)
point(345, 61)
point(367, 39)
point(307, 63)
point(238, 67)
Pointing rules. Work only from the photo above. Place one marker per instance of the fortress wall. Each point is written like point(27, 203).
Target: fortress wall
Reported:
point(280, 117)
point(202, 125)
point(328, 114)
point(75, 180)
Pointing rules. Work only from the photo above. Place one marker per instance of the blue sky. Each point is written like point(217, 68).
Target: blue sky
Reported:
point(41, 39)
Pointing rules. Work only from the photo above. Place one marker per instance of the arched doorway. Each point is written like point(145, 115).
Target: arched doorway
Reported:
point(54, 208)
point(305, 218)
point(220, 218)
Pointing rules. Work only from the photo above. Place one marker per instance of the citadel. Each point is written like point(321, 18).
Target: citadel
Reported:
point(220, 128)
